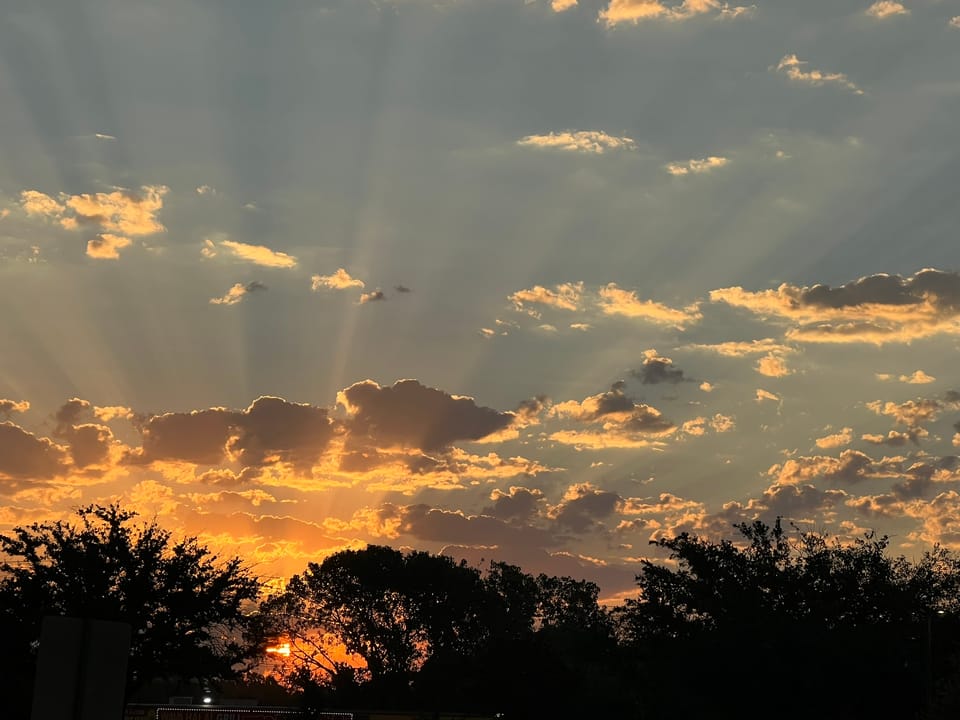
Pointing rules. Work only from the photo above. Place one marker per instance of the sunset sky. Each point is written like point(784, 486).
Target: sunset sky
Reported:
point(525, 280)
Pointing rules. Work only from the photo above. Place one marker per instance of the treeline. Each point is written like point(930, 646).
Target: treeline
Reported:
point(787, 625)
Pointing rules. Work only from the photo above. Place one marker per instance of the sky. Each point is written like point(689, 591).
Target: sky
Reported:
point(529, 281)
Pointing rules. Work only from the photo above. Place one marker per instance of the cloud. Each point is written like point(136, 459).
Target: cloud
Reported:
point(616, 301)
point(107, 246)
point(766, 395)
point(744, 348)
point(582, 506)
point(697, 167)
point(373, 296)
point(413, 415)
point(886, 8)
point(874, 309)
point(893, 438)
point(657, 369)
point(836, 440)
point(206, 190)
point(792, 67)
point(340, 280)
point(706, 387)
point(270, 430)
point(919, 377)
point(773, 366)
point(401, 289)
point(565, 296)
point(622, 422)
point(517, 504)
point(912, 413)
point(955, 22)
point(259, 255)
point(636, 11)
point(8, 407)
point(587, 141)
point(24, 456)
point(237, 293)
point(562, 5)
point(34, 202)
point(852, 466)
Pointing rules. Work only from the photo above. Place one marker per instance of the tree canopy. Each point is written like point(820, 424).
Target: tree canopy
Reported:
point(187, 608)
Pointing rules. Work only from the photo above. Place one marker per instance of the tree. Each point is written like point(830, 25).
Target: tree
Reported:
point(785, 622)
point(186, 607)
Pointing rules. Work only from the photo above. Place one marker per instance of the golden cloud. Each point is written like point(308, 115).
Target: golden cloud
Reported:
point(616, 301)
point(588, 141)
point(792, 67)
point(259, 255)
point(340, 280)
point(886, 8)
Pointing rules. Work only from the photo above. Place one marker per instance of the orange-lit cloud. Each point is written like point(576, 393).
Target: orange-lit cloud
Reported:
point(835, 440)
point(588, 141)
point(237, 293)
point(565, 296)
point(636, 11)
point(259, 255)
point(562, 5)
point(8, 407)
point(616, 301)
point(697, 167)
point(773, 366)
point(875, 309)
point(886, 8)
point(340, 280)
point(107, 246)
point(792, 67)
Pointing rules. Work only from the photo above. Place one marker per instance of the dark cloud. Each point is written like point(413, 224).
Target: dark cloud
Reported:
point(519, 503)
point(428, 523)
point(89, 442)
point(8, 407)
point(584, 507)
point(271, 429)
point(412, 415)
point(656, 370)
point(25, 456)
point(938, 287)
point(401, 288)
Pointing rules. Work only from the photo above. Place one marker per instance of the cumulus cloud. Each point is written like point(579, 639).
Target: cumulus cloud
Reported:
point(886, 8)
point(107, 246)
point(955, 22)
point(697, 167)
point(657, 369)
point(8, 407)
point(736, 348)
point(410, 414)
point(562, 5)
point(565, 296)
point(587, 141)
point(792, 67)
point(913, 413)
point(894, 438)
point(24, 456)
point(852, 466)
point(259, 255)
point(773, 366)
point(636, 11)
point(621, 421)
point(373, 296)
point(340, 280)
point(918, 377)
point(583, 506)
point(517, 503)
point(616, 301)
point(237, 293)
point(270, 430)
point(835, 440)
point(874, 309)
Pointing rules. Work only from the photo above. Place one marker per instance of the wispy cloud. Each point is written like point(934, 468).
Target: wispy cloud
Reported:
point(340, 280)
point(697, 167)
point(617, 301)
point(636, 11)
point(589, 141)
point(565, 296)
point(886, 8)
point(259, 255)
point(792, 67)
point(237, 293)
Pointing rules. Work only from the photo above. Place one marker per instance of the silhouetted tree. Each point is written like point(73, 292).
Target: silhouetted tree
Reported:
point(185, 606)
point(805, 626)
